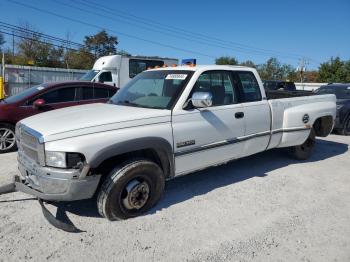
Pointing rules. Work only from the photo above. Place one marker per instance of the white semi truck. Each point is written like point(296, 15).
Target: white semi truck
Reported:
point(117, 70)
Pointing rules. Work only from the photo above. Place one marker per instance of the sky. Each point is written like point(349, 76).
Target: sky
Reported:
point(248, 30)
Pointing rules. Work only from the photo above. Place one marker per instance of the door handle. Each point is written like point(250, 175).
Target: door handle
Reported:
point(239, 115)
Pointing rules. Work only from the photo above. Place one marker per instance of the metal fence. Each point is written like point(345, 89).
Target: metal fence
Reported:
point(18, 78)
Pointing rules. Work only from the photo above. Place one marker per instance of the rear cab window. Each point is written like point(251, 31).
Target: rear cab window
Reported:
point(250, 87)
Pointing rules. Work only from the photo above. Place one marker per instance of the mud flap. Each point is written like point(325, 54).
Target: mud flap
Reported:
point(68, 227)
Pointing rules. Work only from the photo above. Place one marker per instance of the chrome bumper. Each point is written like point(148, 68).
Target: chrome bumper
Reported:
point(54, 184)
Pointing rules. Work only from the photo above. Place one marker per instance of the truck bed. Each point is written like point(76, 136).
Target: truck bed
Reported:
point(278, 94)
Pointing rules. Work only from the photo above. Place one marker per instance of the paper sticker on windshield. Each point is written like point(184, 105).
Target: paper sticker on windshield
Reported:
point(176, 77)
point(40, 88)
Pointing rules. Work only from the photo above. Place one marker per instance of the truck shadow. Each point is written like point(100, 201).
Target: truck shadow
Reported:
point(199, 183)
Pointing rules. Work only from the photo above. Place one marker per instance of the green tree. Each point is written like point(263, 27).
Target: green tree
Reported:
point(248, 63)
point(101, 44)
point(334, 70)
point(79, 59)
point(274, 70)
point(226, 60)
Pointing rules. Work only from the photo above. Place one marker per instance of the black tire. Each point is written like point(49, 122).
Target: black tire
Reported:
point(345, 131)
point(130, 189)
point(303, 152)
point(7, 138)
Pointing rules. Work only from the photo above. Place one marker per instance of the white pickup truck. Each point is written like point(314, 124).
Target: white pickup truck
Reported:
point(164, 123)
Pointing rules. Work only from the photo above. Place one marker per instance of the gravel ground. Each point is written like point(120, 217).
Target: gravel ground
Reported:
point(262, 208)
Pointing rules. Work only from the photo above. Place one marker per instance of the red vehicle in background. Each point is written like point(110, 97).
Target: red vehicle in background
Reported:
point(43, 98)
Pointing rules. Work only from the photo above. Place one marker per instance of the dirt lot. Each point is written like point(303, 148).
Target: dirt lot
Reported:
point(262, 208)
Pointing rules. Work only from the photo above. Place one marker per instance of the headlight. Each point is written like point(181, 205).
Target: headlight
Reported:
point(55, 159)
point(64, 160)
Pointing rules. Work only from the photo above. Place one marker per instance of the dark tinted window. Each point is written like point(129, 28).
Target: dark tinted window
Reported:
point(289, 86)
point(111, 92)
point(136, 66)
point(339, 92)
point(87, 92)
point(59, 95)
point(219, 84)
point(101, 92)
point(343, 93)
point(250, 86)
point(105, 77)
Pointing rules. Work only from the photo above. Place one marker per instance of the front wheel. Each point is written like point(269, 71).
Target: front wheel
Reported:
point(303, 152)
point(130, 189)
point(7, 138)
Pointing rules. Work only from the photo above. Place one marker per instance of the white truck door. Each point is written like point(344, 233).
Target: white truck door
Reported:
point(105, 77)
point(208, 136)
point(257, 114)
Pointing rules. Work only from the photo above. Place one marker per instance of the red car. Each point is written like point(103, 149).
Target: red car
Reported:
point(43, 98)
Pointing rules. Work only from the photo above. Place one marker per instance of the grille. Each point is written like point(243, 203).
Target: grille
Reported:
point(32, 154)
point(29, 145)
point(28, 139)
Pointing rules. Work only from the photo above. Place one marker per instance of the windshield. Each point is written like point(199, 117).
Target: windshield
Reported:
point(339, 92)
point(89, 75)
point(153, 89)
point(26, 93)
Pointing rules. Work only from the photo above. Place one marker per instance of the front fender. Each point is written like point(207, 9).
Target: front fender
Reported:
point(160, 145)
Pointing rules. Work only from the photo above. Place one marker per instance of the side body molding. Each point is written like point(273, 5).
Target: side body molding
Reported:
point(161, 146)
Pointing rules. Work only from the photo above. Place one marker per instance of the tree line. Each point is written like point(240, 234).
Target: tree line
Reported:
point(334, 70)
point(30, 49)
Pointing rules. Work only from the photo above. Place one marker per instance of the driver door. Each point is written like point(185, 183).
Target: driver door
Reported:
point(208, 136)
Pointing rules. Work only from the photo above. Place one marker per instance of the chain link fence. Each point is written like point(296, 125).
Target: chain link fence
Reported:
point(19, 78)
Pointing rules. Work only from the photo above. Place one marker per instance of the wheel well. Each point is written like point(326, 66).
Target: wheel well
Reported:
point(158, 156)
point(323, 126)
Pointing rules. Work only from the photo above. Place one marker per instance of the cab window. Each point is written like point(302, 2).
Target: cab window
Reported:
point(105, 77)
point(220, 85)
point(137, 66)
point(250, 87)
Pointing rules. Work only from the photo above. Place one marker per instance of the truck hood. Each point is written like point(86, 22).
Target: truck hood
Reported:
point(92, 118)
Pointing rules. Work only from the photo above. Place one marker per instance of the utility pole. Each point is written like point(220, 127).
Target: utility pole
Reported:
point(302, 69)
point(13, 44)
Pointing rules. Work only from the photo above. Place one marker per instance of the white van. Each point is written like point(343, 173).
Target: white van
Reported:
point(117, 70)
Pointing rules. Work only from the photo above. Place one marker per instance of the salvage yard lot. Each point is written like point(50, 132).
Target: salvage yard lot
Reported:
point(266, 207)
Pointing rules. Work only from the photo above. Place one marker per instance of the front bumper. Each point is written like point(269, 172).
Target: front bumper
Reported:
point(54, 184)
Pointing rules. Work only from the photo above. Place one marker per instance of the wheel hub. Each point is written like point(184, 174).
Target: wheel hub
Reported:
point(137, 194)
point(7, 139)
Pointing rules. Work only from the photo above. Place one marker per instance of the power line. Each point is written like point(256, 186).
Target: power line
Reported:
point(27, 31)
point(206, 42)
point(111, 30)
point(181, 31)
point(34, 40)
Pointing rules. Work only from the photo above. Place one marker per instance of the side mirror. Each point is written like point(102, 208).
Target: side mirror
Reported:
point(39, 103)
point(202, 99)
